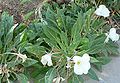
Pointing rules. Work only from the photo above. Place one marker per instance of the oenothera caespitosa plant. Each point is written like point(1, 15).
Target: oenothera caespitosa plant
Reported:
point(73, 41)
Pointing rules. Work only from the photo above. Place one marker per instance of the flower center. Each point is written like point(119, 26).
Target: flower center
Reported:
point(78, 63)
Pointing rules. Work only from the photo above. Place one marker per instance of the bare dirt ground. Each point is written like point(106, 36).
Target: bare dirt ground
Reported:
point(19, 10)
point(16, 9)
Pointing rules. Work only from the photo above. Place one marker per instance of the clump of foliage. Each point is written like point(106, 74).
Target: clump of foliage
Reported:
point(64, 31)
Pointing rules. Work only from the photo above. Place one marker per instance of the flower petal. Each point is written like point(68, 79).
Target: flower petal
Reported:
point(117, 37)
point(68, 58)
point(43, 61)
point(76, 59)
point(86, 57)
point(86, 66)
point(102, 11)
point(78, 69)
point(46, 59)
point(50, 62)
point(112, 31)
point(82, 64)
point(113, 35)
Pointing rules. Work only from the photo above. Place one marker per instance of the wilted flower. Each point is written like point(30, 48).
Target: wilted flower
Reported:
point(112, 35)
point(82, 64)
point(68, 62)
point(19, 55)
point(46, 59)
point(5, 70)
point(102, 11)
point(23, 57)
point(58, 79)
point(0, 69)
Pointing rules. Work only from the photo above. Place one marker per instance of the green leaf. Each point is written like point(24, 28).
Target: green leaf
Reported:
point(52, 37)
point(77, 27)
point(31, 34)
point(88, 20)
point(98, 66)
point(39, 71)
point(93, 75)
point(21, 28)
point(22, 78)
point(104, 60)
point(19, 38)
point(96, 49)
point(29, 62)
point(112, 48)
point(50, 75)
point(73, 46)
point(22, 45)
point(98, 40)
point(13, 63)
point(50, 33)
point(64, 39)
point(24, 1)
point(6, 23)
point(1, 44)
point(27, 16)
point(10, 81)
point(50, 17)
point(61, 18)
point(93, 60)
point(40, 81)
point(51, 42)
point(96, 44)
point(36, 50)
point(0, 79)
point(9, 35)
point(77, 79)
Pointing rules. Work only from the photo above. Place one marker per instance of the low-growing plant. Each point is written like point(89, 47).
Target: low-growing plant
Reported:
point(68, 32)
point(64, 47)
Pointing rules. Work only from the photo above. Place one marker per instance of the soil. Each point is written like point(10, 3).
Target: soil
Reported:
point(18, 10)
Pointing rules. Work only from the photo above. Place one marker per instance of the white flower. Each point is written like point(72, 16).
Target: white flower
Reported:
point(58, 79)
point(102, 11)
point(68, 62)
point(46, 59)
point(82, 64)
point(112, 35)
